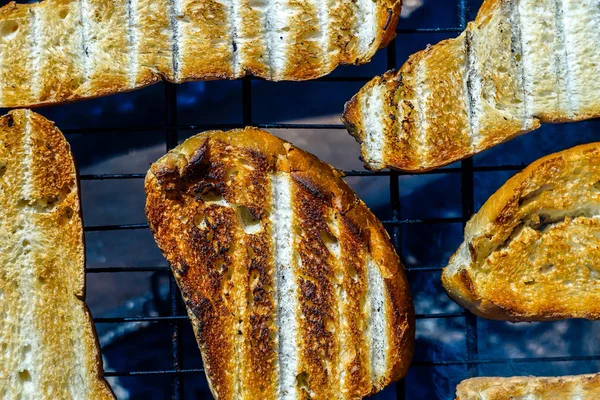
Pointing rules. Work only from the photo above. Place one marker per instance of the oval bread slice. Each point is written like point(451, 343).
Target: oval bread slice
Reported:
point(63, 50)
point(517, 65)
point(49, 347)
point(530, 387)
point(532, 252)
point(291, 284)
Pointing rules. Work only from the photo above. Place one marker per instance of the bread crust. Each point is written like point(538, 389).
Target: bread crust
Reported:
point(220, 175)
point(102, 47)
point(563, 387)
point(502, 77)
point(531, 252)
point(42, 278)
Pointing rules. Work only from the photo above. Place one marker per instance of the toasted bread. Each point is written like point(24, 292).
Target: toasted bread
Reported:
point(532, 252)
point(582, 387)
point(519, 64)
point(49, 347)
point(291, 284)
point(63, 50)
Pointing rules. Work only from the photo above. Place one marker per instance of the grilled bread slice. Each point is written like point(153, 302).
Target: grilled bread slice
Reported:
point(49, 347)
point(291, 284)
point(519, 64)
point(581, 387)
point(532, 252)
point(63, 50)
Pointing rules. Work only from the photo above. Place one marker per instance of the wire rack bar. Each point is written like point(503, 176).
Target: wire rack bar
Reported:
point(179, 371)
point(423, 221)
point(176, 345)
point(347, 173)
point(507, 361)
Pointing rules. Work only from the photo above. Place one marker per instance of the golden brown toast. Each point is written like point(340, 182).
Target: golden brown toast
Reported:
point(517, 65)
point(49, 346)
point(63, 50)
point(291, 284)
point(581, 387)
point(532, 252)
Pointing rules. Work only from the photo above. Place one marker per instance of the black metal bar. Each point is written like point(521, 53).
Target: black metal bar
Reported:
point(118, 227)
point(429, 30)
point(423, 221)
point(158, 372)
point(441, 171)
point(171, 140)
point(117, 320)
point(127, 269)
point(441, 315)
point(468, 204)
point(246, 101)
point(507, 361)
point(103, 177)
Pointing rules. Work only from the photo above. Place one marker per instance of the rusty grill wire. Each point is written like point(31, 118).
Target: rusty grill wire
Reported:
point(176, 316)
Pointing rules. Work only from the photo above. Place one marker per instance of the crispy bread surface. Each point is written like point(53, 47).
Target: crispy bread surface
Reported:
point(532, 252)
point(57, 51)
point(517, 65)
point(292, 285)
point(564, 387)
point(49, 346)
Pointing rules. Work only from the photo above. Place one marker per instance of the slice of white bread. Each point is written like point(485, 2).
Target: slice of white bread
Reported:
point(292, 286)
point(48, 344)
point(63, 50)
point(532, 252)
point(575, 387)
point(519, 64)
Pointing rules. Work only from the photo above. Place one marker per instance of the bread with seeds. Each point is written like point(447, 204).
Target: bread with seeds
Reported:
point(530, 387)
point(292, 286)
point(519, 64)
point(49, 347)
point(63, 50)
point(532, 252)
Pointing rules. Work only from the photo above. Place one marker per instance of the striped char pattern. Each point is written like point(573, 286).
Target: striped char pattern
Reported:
point(292, 285)
point(519, 64)
point(63, 50)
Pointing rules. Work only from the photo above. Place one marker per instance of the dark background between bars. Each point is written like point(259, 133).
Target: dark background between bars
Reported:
point(147, 342)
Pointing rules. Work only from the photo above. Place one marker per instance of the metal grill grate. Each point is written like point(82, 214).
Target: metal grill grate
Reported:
point(176, 316)
point(466, 171)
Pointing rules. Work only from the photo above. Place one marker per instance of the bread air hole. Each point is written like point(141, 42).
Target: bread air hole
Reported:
point(2, 169)
point(63, 13)
point(547, 268)
point(24, 376)
point(9, 28)
point(302, 381)
point(535, 194)
point(331, 242)
point(596, 186)
point(249, 223)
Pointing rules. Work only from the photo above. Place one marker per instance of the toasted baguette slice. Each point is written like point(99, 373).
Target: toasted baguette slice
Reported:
point(291, 284)
point(576, 387)
point(532, 253)
point(63, 50)
point(519, 64)
point(49, 346)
